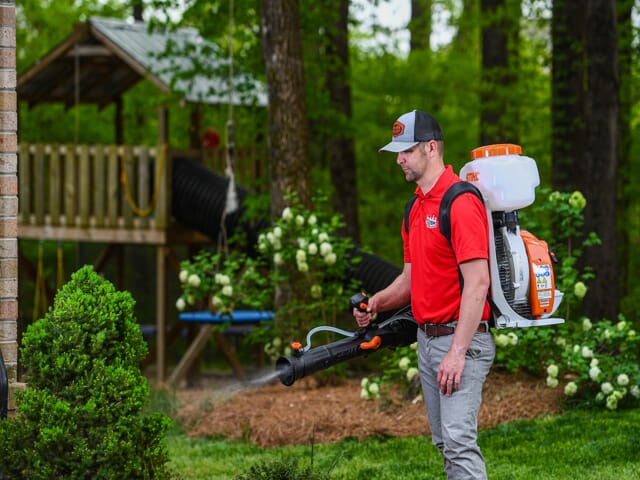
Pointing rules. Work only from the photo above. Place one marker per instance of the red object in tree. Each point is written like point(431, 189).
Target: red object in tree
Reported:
point(211, 138)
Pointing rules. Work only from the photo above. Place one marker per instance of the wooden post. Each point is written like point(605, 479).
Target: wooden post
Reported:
point(84, 178)
point(161, 312)
point(55, 181)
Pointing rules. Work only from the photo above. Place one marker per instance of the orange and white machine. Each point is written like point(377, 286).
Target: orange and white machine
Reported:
point(522, 281)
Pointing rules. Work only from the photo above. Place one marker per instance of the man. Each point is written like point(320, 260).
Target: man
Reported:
point(447, 284)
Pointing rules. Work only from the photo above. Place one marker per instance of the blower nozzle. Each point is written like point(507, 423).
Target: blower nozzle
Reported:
point(397, 331)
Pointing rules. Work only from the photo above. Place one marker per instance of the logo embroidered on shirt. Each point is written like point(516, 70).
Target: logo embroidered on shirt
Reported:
point(431, 221)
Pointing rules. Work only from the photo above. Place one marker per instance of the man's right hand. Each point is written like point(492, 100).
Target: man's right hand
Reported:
point(363, 319)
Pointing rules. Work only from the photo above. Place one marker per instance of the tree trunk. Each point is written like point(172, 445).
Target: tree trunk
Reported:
point(625, 38)
point(498, 113)
point(567, 92)
point(420, 25)
point(598, 171)
point(289, 164)
point(340, 145)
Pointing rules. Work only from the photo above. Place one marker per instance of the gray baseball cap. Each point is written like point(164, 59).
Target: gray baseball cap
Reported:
point(412, 128)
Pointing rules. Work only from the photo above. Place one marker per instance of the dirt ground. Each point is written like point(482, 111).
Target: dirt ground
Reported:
point(274, 415)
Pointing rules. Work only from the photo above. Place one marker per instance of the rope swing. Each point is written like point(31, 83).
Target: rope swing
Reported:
point(231, 201)
point(231, 204)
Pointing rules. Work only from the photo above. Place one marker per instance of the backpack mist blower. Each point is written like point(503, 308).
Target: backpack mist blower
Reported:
point(523, 291)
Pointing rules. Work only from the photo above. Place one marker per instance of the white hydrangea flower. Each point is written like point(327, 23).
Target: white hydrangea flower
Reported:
point(594, 373)
point(621, 325)
point(194, 280)
point(576, 348)
point(323, 237)
point(302, 242)
point(414, 346)
point(222, 279)
point(364, 394)
point(216, 301)
point(277, 259)
point(181, 304)
point(623, 380)
point(570, 389)
point(330, 258)
point(312, 248)
point(312, 220)
point(513, 338)
point(501, 340)
point(635, 391)
point(271, 237)
point(552, 382)
point(561, 341)
point(587, 352)
point(301, 256)
point(612, 402)
point(606, 388)
point(277, 244)
point(316, 291)
point(325, 249)
point(552, 371)
point(277, 232)
point(286, 214)
point(184, 276)
point(607, 333)
point(374, 388)
point(303, 267)
point(631, 333)
point(594, 362)
point(299, 220)
point(277, 342)
point(586, 324)
point(411, 373)
point(404, 363)
point(364, 382)
point(227, 290)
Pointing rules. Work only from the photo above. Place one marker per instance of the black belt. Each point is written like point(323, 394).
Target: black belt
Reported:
point(441, 330)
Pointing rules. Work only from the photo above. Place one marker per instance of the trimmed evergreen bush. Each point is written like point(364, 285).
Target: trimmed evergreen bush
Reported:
point(82, 415)
point(282, 469)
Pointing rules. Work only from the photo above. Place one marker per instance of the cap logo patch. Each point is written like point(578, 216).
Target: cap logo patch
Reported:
point(398, 128)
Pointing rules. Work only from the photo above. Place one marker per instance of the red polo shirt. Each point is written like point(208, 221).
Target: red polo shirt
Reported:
point(435, 280)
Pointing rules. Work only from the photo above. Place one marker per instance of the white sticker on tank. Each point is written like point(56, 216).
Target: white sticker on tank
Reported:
point(543, 276)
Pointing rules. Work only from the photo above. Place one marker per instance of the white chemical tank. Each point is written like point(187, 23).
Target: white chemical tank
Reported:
point(506, 179)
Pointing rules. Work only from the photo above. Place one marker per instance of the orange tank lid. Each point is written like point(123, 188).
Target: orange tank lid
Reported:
point(495, 150)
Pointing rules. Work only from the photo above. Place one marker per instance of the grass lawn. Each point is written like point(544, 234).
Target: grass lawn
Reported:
point(578, 445)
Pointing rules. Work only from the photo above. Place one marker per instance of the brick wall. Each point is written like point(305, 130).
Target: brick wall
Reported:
point(8, 193)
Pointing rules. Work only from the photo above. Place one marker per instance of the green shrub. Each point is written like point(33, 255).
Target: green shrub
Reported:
point(81, 416)
point(276, 469)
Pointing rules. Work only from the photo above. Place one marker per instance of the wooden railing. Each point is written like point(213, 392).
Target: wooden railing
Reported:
point(67, 190)
point(99, 186)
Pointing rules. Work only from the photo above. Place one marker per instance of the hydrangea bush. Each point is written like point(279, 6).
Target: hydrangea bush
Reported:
point(594, 362)
point(300, 270)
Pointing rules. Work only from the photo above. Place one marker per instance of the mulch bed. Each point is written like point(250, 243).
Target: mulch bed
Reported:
point(275, 415)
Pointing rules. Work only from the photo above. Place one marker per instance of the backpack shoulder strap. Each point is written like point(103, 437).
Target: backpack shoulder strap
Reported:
point(453, 192)
point(407, 212)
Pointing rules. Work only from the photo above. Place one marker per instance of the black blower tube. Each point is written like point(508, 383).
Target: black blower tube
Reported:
point(398, 331)
point(198, 201)
point(199, 197)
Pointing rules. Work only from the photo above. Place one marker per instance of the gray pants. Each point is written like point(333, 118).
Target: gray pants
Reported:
point(454, 420)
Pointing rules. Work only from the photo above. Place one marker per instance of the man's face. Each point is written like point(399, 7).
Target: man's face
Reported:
point(413, 162)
